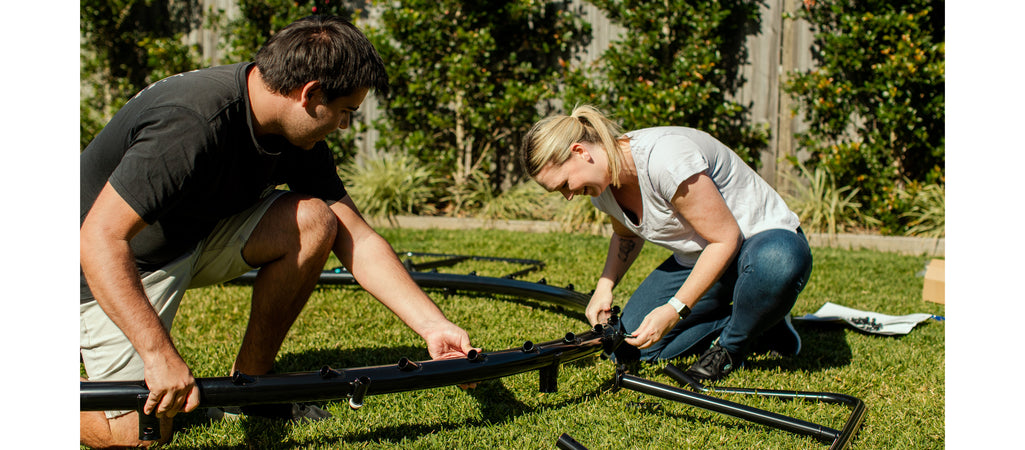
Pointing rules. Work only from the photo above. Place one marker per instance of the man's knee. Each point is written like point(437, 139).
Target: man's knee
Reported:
point(316, 222)
point(294, 224)
point(97, 431)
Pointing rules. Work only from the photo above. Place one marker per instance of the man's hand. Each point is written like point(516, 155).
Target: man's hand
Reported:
point(172, 389)
point(655, 325)
point(446, 341)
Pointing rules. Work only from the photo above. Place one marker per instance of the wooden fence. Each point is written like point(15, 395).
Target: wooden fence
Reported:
point(780, 47)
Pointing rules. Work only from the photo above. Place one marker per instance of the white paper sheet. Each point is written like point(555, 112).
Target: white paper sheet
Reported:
point(867, 321)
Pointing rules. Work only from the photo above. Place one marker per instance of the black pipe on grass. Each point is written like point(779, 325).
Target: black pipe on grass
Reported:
point(728, 408)
point(840, 439)
point(566, 442)
point(355, 384)
point(564, 297)
point(333, 384)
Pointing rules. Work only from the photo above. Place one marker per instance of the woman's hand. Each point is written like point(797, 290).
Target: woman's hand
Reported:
point(599, 309)
point(655, 325)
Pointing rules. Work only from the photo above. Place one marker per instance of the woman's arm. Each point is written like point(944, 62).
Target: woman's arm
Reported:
point(699, 202)
point(623, 250)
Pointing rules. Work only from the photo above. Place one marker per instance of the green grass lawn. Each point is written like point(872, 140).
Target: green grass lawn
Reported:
point(901, 379)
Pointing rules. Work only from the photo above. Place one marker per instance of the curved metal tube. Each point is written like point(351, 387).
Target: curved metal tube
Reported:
point(354, 384)
point(334, 384)
point(566, 442)
point(470, 283)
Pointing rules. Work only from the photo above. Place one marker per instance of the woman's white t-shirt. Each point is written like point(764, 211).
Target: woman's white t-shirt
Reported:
point(665, 157)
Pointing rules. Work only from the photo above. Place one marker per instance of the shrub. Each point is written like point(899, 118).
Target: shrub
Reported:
point(126, 46)
point(524, 201)
point(926, 214)
point(821, 205)
point(466, 78)
point(389, 185)
point(875, 102)
point(468, 197)
point(579, 215)
point(677, 63)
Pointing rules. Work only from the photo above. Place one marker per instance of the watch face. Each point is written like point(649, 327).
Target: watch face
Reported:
point(684, 311)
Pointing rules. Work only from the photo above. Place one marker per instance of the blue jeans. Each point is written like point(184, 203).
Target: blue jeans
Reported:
point(757, 290)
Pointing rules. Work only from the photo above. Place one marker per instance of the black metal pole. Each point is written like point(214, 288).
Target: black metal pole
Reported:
point(726, 407)
point(354, 384)
point(565, 442)
point(471, 283)
point(843, 437)
point(334, 384)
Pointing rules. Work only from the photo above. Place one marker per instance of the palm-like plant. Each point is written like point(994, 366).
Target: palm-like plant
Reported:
point(389, 185)
point(580, 215)
point(523, 201)
point(821, 205)
point(927, 215)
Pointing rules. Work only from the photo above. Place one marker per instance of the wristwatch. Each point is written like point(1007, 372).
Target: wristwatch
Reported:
point(681, 308)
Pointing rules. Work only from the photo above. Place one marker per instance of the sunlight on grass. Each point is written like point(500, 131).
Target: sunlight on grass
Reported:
point(901, 379)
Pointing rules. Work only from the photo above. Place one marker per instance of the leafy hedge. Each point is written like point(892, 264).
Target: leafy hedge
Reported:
point(126, 45)
point(677, 63)
point(875, 103)
point(469, 76)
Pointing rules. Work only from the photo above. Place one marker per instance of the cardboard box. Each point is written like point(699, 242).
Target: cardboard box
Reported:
point(932, 291)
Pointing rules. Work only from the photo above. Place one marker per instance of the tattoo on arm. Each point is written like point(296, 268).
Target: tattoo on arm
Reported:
point(626, 247)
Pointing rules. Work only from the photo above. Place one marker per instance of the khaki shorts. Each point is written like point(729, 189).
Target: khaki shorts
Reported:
point(106, 352)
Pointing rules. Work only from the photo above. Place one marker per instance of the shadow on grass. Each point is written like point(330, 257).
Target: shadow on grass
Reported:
point(498, 405)
point(824, 346)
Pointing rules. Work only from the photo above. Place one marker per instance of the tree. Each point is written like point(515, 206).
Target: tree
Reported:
point(677, 63)
point(875, 104)
point(126, 45)
point(467, 78)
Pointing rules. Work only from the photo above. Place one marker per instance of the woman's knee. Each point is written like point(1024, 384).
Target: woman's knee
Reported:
point(778, 255)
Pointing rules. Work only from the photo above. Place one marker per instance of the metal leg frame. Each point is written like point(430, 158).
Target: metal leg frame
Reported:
point(838, 439)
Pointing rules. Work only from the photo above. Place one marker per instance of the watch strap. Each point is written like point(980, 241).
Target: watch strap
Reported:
point(681, 308)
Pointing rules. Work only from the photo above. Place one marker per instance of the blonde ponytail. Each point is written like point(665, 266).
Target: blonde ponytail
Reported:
point(550, 139)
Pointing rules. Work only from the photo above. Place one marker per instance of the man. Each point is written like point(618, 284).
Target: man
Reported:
point(177, 192)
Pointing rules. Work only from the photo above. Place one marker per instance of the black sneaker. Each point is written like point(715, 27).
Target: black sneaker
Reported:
point(780, 338)
point(714, 364)
point(278, 411)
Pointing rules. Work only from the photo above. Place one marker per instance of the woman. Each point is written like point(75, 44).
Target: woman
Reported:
point(739, 257)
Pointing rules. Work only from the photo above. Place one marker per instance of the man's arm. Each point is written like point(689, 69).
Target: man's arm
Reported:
point(109, 268)
point(374, 265)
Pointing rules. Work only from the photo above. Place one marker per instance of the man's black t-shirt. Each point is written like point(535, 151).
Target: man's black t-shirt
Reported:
point(183, 155)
